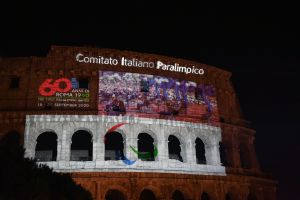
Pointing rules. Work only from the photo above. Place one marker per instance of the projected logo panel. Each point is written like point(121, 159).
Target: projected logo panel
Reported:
point(62, 93)
point(152, 96)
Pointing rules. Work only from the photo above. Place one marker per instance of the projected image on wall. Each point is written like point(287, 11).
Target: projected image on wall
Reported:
point(151, 96)
point(63, 93)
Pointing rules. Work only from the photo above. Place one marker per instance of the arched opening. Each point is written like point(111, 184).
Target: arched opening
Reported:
point(223, 154)
point(82, 146)
point(177, 195)
point(251, 197)
point(228, 197)
point(145, 147)
point(245, 157)
point(114, 195)
point(205, 196)
point(147, 195)
point(114, 146)
point(46, 147)
point(174, 148)
point(200, 151)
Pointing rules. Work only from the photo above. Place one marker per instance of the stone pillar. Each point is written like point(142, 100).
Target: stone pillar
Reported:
point(58, 149)
point(183, 152)
point(30, 150)
point(100, 191)
point(131, 141)
point(99, 145)
point(96, 150)
point(66, 141)
point(191, 153)
point(191, 149)
point(212, 154)
point(162, 146)
point(29, 139)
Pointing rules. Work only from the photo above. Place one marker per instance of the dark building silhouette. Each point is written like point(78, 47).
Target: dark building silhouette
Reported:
point(204, 150)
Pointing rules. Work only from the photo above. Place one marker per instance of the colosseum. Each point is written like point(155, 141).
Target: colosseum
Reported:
point(133, 126)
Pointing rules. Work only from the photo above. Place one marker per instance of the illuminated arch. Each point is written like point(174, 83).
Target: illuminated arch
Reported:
point(179, 135)
point(82, 129)
point(206, 139)
point(149, 132)
point(146, 144)
point(114, 146)
point(46, 147)
point(182, 142)
point(39, 132)
point(174, 148)
point(81, 146)
point(200, 151)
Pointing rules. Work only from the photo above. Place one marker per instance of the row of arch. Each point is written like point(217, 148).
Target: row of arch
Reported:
point(82, 147)
point(147, 194)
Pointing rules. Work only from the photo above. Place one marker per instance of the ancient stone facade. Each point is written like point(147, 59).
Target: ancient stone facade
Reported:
point(159, 129)
point(235, 176)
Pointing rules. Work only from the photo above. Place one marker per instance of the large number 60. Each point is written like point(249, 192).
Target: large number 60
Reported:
point(48, 88)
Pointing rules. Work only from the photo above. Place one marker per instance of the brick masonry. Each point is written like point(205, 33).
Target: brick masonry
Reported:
point(234, 132)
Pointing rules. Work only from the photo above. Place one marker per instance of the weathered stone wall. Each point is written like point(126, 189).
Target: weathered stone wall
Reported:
point(163, 185)
point(65, 125)
point(240, 179)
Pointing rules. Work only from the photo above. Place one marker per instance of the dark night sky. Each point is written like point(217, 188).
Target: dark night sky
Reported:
point(259, 44)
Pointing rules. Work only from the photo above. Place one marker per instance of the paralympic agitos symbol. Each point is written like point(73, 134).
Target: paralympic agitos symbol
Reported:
point(143, 155)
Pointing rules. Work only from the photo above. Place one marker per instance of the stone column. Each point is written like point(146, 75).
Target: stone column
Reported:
point(98, 150)
point(212, 154)
point(30, 149)
point(131, 140)
point(191, 153)
point(162, 146)
point(58, 149)
point(191, 149)
point(66, 141)
point(30, 139)
point(94, 147)
point(99, 145)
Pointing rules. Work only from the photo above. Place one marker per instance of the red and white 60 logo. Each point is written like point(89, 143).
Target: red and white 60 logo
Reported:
point(49, 87)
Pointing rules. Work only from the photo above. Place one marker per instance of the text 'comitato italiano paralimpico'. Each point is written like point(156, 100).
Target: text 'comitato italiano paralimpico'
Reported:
point(133, 62)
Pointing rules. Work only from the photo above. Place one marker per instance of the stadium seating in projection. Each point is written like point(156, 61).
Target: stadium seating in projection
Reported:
point(142, 95)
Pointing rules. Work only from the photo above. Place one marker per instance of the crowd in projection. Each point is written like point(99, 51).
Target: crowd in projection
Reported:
point(152, 96)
